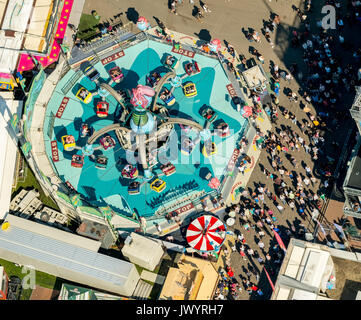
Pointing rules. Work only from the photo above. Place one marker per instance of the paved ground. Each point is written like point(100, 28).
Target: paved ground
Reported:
point(226, 22)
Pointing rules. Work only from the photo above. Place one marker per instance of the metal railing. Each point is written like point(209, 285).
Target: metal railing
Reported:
point(103, 41)
point(72, 81)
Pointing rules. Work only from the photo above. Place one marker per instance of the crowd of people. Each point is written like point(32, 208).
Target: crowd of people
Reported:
point(297, 186)
point(290, 184)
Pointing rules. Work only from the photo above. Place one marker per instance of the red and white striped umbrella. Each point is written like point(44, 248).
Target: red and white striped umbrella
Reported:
point(206, 233)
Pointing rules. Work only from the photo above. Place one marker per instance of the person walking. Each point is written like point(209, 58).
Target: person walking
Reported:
point(204, 7)
point(306, 181)
point(243, 255)
point(261, 244)
point(280, 208)
point(174, 7)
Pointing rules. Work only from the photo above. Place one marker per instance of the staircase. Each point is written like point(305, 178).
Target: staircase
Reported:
point(142, 290)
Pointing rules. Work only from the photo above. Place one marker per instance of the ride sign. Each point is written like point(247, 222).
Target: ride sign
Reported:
point(54, 150)
point(183, 209)
point(113, 57)
point(184, 52)
point(62, 106)
point(233, 159)
point(231, 90)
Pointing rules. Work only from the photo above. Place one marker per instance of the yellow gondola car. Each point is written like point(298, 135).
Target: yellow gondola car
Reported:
point(190, 90)
point(68, 142)
point(212, 151)
point(158, 185)
point(84, 95)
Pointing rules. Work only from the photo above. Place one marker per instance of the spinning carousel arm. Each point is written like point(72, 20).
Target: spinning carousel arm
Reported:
point(160, 85)
point(142, 152)
point(99, 133)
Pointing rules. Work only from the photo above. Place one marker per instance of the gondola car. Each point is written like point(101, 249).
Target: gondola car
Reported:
point(171, 62)
point(153, 79)
point(107, 142)
point(129, 172)
point(134, 187)
point(77, 161)
point(84, 95)
point(168, 168)
point(192, 68)
point(158, 185)
point(209, 114)
point(85, 130)
point(209, 149)
point(223, 129)
point(167, 97)
point(101, 162)
point(68, 142)
point(190, 90)
point(102, 109)
point(187, 146)
point(116, 74)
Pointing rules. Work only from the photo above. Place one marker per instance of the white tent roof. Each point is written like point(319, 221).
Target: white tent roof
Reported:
point(24, 245)
point(9, 149)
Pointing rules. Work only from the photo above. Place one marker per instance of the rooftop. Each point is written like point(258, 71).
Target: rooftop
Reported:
point(194, 279)
point(312, 271)
point(23, 243)
point(25, 26)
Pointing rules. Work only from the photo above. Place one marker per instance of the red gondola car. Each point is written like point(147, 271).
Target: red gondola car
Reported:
point(168, 169)
point(102, 109)
point(77, 161)
point(107, 142)
point(192, 68)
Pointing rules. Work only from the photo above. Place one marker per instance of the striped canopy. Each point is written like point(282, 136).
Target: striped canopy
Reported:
point(206, 233)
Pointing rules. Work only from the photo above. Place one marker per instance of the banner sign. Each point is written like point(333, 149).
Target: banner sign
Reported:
point(14, 121)
point(54, 150)
point(231, 90)
point(269, 279)
point(183, 209)
point(184, 52)
point(112, 57)
point(279, 240)
point(233, 159)
point(26, 147)
point(62, 106)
